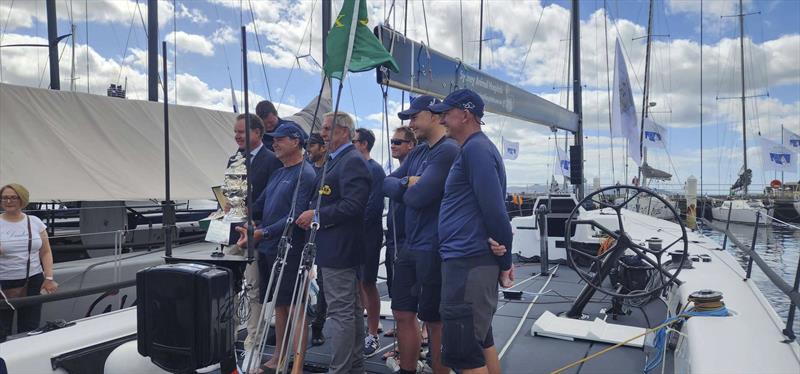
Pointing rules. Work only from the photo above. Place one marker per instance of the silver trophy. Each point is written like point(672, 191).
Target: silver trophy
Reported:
point(234, 188)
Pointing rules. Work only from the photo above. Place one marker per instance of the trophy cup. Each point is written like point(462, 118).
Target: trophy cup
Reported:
point(234, 188)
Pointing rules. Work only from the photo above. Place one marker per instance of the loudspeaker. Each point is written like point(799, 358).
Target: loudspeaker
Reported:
point(185, 315)
point(575, 165)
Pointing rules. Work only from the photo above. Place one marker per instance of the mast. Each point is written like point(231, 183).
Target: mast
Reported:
point(576, 88)
point(701, 99)
point(152, 50)
point(52, 41)
point(480, 40)
point(72, 68)
point(646, 93)
point(326, 25)
point(741, 56)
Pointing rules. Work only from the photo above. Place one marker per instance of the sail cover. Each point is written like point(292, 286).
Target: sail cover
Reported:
point(74, 146)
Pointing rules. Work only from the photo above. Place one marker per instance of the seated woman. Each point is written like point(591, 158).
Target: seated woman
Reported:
point(26, 262)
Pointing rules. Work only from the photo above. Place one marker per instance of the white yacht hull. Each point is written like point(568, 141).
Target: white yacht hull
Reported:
point(745, 215)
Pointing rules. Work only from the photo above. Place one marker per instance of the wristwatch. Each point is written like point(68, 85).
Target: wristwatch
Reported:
point(404, 182)
point(48, 278)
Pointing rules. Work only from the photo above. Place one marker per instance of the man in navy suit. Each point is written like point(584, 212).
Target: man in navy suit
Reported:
point(344, 192)
point(262, 165)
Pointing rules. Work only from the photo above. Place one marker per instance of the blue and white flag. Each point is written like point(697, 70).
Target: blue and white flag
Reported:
point(510, 149)
point(623, 111)
point(563, 162)
point(655, 135)
point(777, 157)
point(791, 140)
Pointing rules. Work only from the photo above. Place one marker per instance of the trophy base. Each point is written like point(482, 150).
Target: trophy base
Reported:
point(224, 233)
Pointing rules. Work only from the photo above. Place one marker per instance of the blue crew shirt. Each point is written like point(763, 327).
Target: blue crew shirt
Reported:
point(473, 208)
point(422, 200)
point(276, 203)
point(374, 210)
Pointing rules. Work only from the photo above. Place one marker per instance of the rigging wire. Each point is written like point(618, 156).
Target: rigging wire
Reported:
point(297, 52)
point(86, 24)
point(175, 47)
point(425, 20)
point(258, 43)
point(127, 41)
point(225, 54)
point(608, 85)
point(3, 33)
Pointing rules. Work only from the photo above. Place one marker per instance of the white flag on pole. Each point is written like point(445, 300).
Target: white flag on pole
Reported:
point(655, 135)
point(623, 111)
point(777, 157)
point(563, 162)
point(791, 140)
point(510, 149)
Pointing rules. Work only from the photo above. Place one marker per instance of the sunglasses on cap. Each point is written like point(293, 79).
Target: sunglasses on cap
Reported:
point(399, 141)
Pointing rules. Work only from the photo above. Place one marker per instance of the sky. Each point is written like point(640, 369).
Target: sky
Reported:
point(526, 44)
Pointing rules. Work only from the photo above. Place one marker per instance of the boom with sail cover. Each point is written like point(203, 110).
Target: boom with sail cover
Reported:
point(428, 72)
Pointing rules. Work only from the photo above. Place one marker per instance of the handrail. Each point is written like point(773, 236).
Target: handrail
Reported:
point(790, 291)
point(22, 302)
point(776, 279)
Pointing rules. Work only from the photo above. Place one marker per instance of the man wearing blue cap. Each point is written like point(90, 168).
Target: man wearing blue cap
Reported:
point(273, 208)
point(419, 184)
point(475, 238)
point(343, 195)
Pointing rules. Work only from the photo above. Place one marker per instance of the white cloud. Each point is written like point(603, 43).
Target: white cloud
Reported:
point(190, 43)
point(23, 13)
point(224, 34)
point(193, 15)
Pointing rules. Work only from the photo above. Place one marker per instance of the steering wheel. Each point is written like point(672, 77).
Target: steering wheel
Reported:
point(618, 242)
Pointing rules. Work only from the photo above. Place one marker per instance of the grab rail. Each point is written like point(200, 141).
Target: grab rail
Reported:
point(22, 302)
point(790, 291)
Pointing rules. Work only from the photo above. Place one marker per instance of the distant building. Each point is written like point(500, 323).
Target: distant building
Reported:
point(116, 91)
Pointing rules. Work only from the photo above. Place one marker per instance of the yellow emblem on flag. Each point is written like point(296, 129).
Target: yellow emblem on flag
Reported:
point(325, 190)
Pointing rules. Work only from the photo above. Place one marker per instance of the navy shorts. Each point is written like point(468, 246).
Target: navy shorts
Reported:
point(373, 241)
point(288, 280)
point(469, 300)
point(417, 284)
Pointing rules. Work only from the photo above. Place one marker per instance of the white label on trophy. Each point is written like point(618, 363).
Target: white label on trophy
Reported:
point(218, 232)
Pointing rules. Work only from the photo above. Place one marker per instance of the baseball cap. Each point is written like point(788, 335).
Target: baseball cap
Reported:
point(419, 104)
point(464, 99)
point(291, 130)
point(315, 138)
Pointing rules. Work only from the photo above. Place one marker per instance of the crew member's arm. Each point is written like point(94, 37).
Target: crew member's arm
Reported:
point(429, 188)
point(392, 187)
point(353, 187)
point(46, 259)
point(485, 182)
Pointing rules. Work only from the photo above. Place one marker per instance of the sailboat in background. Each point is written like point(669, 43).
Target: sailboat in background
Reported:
point(743, 209)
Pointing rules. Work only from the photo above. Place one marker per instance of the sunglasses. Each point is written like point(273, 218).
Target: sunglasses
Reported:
point(399, 141)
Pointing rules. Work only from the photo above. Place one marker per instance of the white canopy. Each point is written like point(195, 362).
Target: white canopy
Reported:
point(75, 146)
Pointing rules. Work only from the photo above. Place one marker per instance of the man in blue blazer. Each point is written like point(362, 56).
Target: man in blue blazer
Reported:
point(344, 192)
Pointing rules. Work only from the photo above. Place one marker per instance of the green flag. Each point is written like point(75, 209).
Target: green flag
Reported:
point(367, 50)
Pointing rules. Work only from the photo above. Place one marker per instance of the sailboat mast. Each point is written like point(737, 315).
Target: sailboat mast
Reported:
point(576, 93)
point(152, 50)
point(52, 41)
point(646, 93)
point(326, 25)
point(741, 56)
